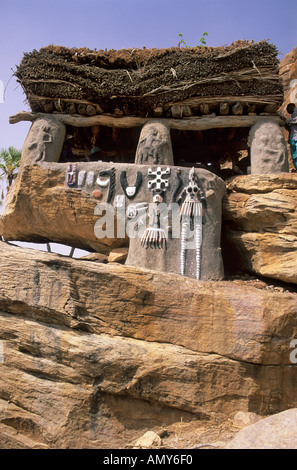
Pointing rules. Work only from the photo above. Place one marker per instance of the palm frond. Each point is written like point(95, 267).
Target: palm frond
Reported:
point(9, 163)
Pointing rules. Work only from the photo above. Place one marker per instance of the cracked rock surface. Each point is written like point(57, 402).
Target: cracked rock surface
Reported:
point(95, 355)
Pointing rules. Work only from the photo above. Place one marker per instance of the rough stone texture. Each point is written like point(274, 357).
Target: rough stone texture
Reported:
point(268, 150)
point(41, 207)
point(148, 440)
point(169, 260)
point(260, 225)
point(44, 141)
point(94, 355)
point(245, 418)
point(118, 255)
point(274, 432)
point(124, 301)
point(288, 76)
point(97, 257)
point(154, 146)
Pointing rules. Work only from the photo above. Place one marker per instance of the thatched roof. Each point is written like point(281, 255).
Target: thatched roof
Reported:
point(148, 82)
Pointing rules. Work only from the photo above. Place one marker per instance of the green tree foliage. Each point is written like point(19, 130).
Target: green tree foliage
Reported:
point(9, 163)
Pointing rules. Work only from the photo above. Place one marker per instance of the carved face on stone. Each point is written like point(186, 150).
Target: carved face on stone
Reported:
point(130, 190)
point(44, 142)
point(131, 211)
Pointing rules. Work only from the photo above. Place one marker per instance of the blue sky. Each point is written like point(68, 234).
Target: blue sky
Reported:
point(117, 24)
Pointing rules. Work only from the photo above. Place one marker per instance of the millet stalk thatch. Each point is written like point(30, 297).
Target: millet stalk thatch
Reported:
point(152, 82)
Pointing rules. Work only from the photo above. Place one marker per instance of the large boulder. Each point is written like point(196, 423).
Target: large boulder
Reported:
point(92, 214)
point(268, 149)
point(41, 207)
point(275, 432)
point(93, 355)
point(260, 225)
point(288, 76)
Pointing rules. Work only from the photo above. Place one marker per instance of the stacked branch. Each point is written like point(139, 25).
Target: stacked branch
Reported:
point(180, 83)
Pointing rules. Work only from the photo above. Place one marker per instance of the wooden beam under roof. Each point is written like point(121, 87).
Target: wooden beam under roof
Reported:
point(187, 124)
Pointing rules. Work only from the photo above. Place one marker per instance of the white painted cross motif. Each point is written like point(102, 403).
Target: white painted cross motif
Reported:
point(158, 184)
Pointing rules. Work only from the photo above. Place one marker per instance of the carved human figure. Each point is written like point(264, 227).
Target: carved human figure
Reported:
point(44, 141)
point(162, 241)
point(268, 148)
point(150, 147)
point(154, 146)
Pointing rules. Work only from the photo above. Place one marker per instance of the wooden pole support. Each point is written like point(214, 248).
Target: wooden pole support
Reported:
point(193, 123)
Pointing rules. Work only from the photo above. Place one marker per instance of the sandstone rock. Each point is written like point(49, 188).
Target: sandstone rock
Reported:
point(44, 141)
point(118, 255)
point(42, 207)
point(154, 147)
point(275, 432)
point(245, 418)
point(268, 149)
point(94, 354)
point(81, 390)
point(98, 257)
point(288, 75)
point(260, 225)
point(148, 440)
point(93, 351)
point(202, 310)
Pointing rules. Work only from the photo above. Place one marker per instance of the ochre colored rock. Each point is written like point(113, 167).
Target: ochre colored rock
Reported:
point(201, 309)
point(97, 257)
point(89, 349)
point(41, 207)
point(268, 149)
point(148, 440)
point(288, 76)
point(260, 225)
point(118, 255)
